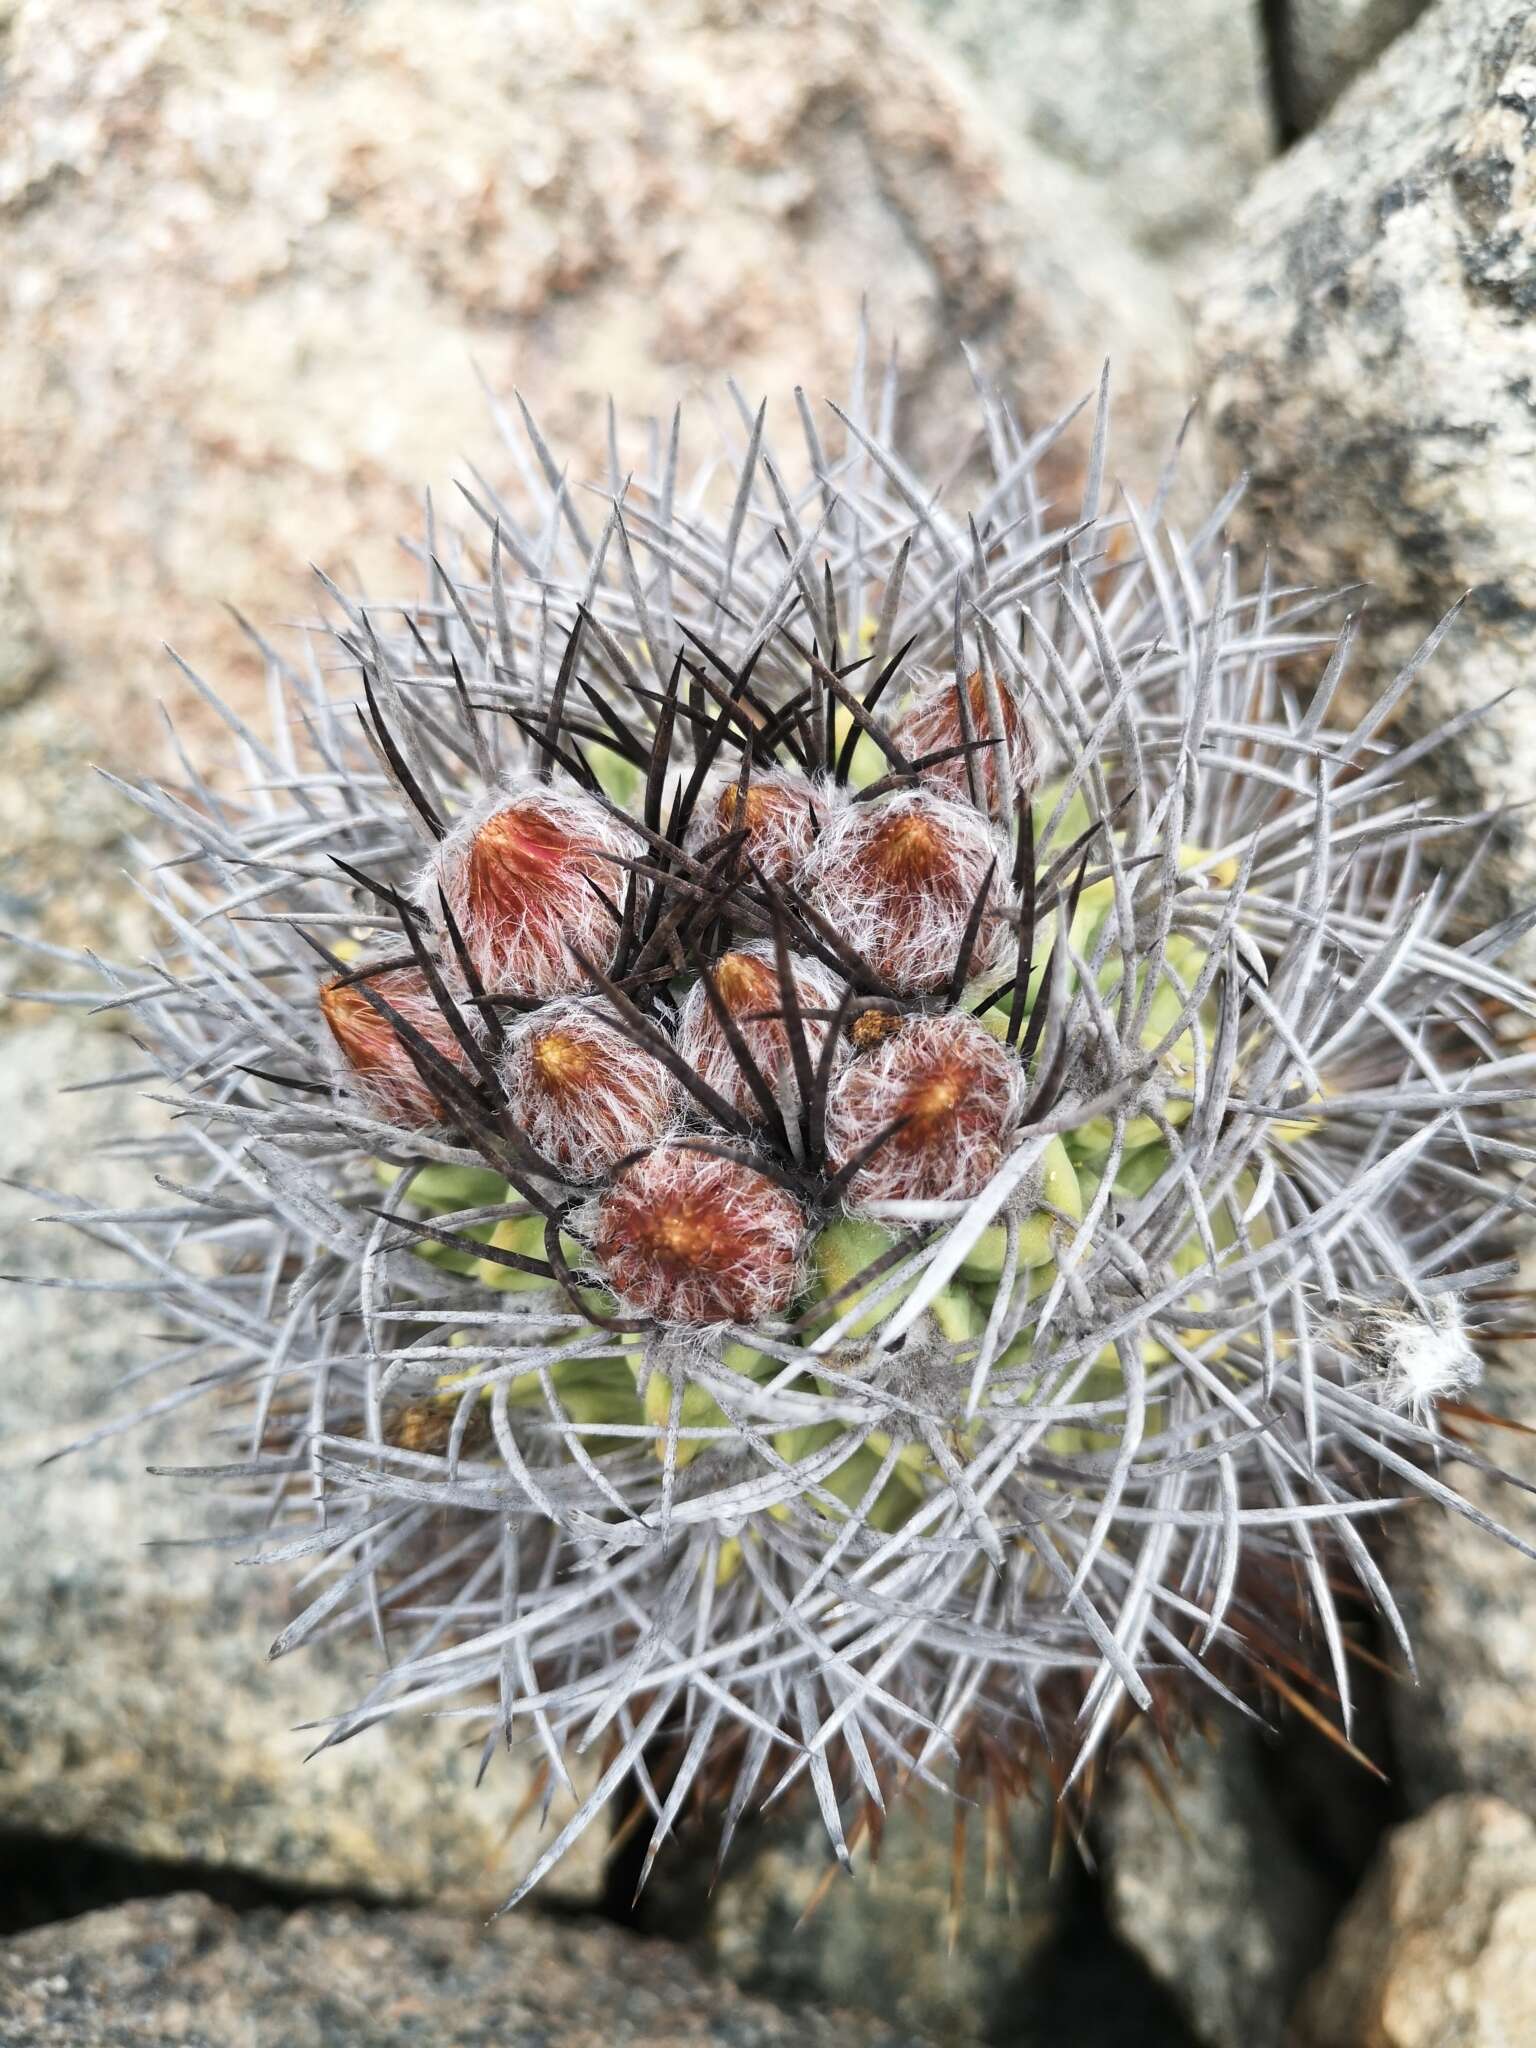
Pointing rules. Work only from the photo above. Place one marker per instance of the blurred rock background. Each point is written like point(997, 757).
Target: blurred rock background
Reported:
point(252, 259)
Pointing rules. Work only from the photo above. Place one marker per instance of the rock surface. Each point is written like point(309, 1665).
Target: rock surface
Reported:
point(1204, 1883)
point(1469, 1724)
point(137, 1705)
point(252, 256)
point(183, 1973)
point(1371, 361)
point(1166, 107)
point(890, 1939)
point(1436, 1951)
point(1328, 43)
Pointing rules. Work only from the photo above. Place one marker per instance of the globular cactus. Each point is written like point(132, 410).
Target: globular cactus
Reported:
point(841, 1132)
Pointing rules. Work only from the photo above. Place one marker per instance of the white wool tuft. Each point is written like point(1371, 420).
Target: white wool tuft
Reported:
point(1422, 1359)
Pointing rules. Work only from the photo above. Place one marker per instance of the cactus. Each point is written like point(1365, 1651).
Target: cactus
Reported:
point(835, 1137)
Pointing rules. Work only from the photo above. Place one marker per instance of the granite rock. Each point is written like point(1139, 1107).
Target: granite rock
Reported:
point(183, 1973)
point(1166, 108)
point(1203, 1881)
point(137, 1705)
point(1371, 363)
point(254, 255)
point(1435, 1952)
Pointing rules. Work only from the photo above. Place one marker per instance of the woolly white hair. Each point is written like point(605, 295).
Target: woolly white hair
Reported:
point(703, 1043)
point(525, 945)
point(621, 1099)
point(1418, 1356)
point(911, 930)
point(685, 1236)
point(952, 1153)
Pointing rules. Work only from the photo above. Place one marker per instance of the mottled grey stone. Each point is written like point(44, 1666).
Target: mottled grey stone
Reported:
point(1165, 107)
point(1371, 360)
point(183, 1973)
point(1203, 1882)
point(137, 1705)
point(1437, 1949)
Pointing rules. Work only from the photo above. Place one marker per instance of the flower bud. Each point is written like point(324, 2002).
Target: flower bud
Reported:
point(584, 1093)
point(932, 722)
point(898, 877)
point(378, 1068)
point(958, 1091)
point(778, 818)
point(747, 983)
point(522, 880)
point(686, 1237)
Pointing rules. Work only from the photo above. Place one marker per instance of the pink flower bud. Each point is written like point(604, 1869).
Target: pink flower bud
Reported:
point(897, 878)
point(522, 877)
point(584, 1093)
point(957, 1088)
point(686, 1237)
point(932, 722)
point(379, 1069)
point(747, 983)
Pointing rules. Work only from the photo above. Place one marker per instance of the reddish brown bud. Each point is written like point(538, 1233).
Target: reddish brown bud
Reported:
point(584, 1093)
point(526, 882)
point(932, 723)
point(778, 819)
point(379, 1068)
point(686, 1237)
point(747, 983)
point(958, 1091)
point(897, 879)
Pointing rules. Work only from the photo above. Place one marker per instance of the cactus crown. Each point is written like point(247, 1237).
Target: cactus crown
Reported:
point(830, 1141)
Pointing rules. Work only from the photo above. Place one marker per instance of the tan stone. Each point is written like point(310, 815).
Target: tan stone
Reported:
point(1436, 1951)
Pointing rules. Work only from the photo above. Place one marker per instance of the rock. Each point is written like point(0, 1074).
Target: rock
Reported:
point(1204, 1883)
point(1327, 43)
point(897, 1937)
point(1166, 107)
point(1436, 1950)
point(1371, 363)
point(252, 256)
point(26, 658)
point(184, 1973)
point(1469, 1723)
point(137, 1705)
